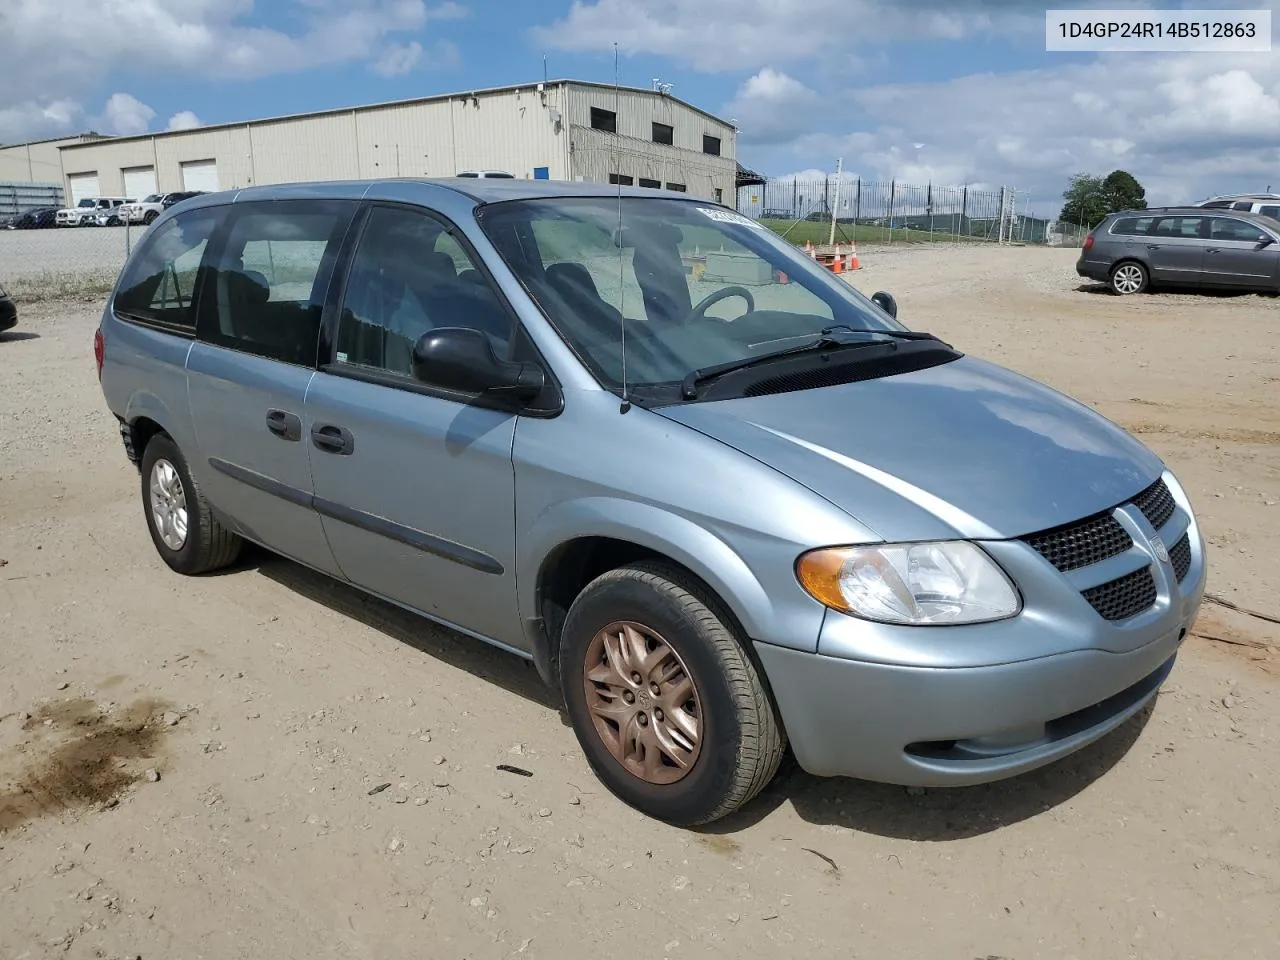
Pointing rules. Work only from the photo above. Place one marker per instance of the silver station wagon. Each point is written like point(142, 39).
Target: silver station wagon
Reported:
point(726, 504)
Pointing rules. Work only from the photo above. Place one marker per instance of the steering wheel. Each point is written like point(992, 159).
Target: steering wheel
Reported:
point(723, 293)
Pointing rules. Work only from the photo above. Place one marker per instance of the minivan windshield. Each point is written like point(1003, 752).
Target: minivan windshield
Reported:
point(698, 285)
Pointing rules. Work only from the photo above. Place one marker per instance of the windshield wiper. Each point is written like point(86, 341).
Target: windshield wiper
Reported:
point(897, 334)
point(689, 386)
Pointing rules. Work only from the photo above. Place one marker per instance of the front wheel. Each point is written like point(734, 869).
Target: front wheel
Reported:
point(664, 700)
point(185, 532)
point(1129, 278)
point(149, 217)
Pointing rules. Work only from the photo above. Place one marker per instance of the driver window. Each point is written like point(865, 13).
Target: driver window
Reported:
point(408, 277)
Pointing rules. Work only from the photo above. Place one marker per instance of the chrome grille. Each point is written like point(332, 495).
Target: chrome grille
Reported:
point(1124, 597)
point(1156, 504)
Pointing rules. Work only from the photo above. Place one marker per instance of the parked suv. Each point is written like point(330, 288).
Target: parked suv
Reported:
point(1183, 246)
point(145, 210)
point(86, 211)
point(749, 515)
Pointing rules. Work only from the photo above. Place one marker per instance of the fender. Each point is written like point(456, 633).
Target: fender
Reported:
point(778, 611)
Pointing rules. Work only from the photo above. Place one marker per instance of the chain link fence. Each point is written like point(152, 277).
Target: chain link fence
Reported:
point(58, 262)
point(894, 212)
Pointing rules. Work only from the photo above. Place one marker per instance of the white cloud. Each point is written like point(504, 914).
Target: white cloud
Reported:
point(772, 107)
point(126, 115)
point(398, 59)
point(56, 57)
point(183, 120)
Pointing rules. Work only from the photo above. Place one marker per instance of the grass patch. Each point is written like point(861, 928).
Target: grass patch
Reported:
point(61, 285)
point(817, 233)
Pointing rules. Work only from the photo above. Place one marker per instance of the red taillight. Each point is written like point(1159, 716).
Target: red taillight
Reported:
point(98, 347)
point(1088, 242)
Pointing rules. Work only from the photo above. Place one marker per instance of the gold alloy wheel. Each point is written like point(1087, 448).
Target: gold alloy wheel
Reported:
point(643, 702)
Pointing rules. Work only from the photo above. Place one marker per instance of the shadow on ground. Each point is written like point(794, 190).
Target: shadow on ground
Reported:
point(1205, 293)
point(889, 811)
point(15, 336)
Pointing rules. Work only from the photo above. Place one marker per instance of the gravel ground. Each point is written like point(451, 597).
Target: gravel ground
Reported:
point(190, 767)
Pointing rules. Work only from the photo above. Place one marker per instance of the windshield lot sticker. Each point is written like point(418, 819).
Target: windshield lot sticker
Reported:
point(726, 216)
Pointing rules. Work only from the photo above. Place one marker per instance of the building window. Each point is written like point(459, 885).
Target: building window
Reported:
point(678, 187)
point(711, 145)
point(605, 120)
point(719, 195)
point(664, 133)
point(651, 184)
point(621, 180)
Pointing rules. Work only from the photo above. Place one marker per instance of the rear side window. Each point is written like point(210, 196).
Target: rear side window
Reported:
point(1184, 227)
point(1228, 228)
point(1132, 226)
point(158, 286)
point(1242, 205)
point(1271, 211)
point(267, 288)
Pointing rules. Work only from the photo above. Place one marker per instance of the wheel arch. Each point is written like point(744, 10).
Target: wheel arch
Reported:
point(576, 542)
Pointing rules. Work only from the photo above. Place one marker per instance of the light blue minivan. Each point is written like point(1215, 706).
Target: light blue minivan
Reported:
point(725, 503)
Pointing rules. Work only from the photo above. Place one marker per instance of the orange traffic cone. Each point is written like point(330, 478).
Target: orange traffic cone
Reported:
point(853, 257)
point(837, 265)
point(808, 248)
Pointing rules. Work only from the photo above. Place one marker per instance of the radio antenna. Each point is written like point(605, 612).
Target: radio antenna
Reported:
point(622, 289)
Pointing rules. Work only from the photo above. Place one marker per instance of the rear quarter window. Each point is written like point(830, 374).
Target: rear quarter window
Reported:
point(1132, 226)
point(158, 285)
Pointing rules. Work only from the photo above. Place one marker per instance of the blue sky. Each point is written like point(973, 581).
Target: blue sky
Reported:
point(958, 92)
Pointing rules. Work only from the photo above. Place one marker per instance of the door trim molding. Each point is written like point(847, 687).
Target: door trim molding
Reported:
point(410, 536)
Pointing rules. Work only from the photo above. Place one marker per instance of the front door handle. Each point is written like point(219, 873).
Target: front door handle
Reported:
point(1153, 246)
point(284, 424)
point(333, 439)
point(1212, 250)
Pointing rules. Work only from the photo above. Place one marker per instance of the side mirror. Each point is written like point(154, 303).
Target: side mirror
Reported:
point(886, 303)
point(1265, 240)
point(462, 359)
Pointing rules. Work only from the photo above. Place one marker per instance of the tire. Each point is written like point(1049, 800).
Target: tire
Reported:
point(740, 741)
point(1129, 277)
point(149, 217)
point(205, 544)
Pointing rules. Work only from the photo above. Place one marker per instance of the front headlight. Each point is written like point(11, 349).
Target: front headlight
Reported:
point(917, 584)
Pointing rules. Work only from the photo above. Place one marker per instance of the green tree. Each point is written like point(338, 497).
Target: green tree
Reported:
point(1089, 198)
point(1123, 191)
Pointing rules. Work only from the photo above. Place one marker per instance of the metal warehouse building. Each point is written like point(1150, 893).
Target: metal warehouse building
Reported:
point(557, 130)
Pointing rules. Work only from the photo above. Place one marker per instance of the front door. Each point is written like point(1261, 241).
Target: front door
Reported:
point(1175, 249)
point(249, 372)
point(1236, 254)
point(415, 485)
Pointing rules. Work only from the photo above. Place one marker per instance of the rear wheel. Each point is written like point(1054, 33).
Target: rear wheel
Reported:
point(185, 533)
point(1129, 277)
point(667, 706)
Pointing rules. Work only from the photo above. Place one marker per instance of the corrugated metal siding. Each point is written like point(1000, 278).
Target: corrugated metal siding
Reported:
point(637, 113)
point(229, 147)
point(20, 196)
point(316, 148)
point(36, 162)
point(597, 154)
point(408, 141)
point(506, 131)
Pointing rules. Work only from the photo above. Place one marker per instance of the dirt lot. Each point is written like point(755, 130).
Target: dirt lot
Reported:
point(188, 768)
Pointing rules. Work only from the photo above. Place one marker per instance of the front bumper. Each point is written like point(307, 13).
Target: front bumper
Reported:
point(8, 314)
point(952, 706)
point(956, 727)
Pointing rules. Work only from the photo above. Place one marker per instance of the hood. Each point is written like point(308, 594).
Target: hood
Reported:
point(965, 449)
